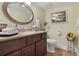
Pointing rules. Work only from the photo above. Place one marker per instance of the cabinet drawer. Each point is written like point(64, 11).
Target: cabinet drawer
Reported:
point(29, 50)
point(11, 45)
point(33, 38)
point(16, 53)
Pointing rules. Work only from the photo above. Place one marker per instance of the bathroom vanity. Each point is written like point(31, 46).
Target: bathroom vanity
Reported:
point(29, 43)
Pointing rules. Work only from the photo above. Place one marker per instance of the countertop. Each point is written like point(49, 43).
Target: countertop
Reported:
point(22, 34)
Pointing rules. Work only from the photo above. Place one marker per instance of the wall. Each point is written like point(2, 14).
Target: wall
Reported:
point(38, 12)
point(3, 19)
point(72, 12)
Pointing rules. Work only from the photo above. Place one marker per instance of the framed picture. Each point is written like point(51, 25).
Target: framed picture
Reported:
point(58, 17)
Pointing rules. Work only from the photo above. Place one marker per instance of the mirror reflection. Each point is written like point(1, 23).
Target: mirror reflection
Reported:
point(19, 13)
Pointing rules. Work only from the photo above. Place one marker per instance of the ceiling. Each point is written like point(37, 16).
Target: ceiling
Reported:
point(48, 5)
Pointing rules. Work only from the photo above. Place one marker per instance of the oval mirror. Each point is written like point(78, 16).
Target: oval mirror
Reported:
point(19, 13)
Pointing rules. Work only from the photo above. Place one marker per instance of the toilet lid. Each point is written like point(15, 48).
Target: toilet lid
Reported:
point(51, 41)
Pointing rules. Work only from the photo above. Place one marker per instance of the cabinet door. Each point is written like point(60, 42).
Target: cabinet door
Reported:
point(9, 46)
point(41, 48)
point(29, 50)
point(16, 53)
point(44, 47)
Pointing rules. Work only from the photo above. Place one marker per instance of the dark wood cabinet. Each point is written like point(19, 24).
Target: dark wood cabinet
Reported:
point(29, 50)
point(16, 53)
point(41, 48)
point(25, 46)
point(33, 38)
point(9, 46)
point(44, 47)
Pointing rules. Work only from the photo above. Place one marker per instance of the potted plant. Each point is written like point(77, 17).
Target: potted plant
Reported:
point(70, 36)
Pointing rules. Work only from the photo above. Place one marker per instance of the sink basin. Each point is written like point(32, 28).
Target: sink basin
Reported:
point(2, 34)
point(8, 32)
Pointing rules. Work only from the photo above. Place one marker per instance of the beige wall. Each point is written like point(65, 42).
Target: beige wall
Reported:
point(38, 12)
point(72, 12)
point(3, 18)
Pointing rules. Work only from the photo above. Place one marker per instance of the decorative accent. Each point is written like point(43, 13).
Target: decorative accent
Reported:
point(3, 25)
point(17, 20)
point(71, 36)
point(58, 17)
point(45, 23)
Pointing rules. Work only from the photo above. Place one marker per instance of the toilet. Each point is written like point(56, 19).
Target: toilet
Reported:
point(51, 45)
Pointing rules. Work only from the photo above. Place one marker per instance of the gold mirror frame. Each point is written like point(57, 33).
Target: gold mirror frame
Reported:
point(4, 9)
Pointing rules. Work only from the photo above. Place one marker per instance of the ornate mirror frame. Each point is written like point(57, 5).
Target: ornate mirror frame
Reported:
point(4, 9)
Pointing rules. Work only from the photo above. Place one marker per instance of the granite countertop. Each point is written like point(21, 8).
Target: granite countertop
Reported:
point(22, 34)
